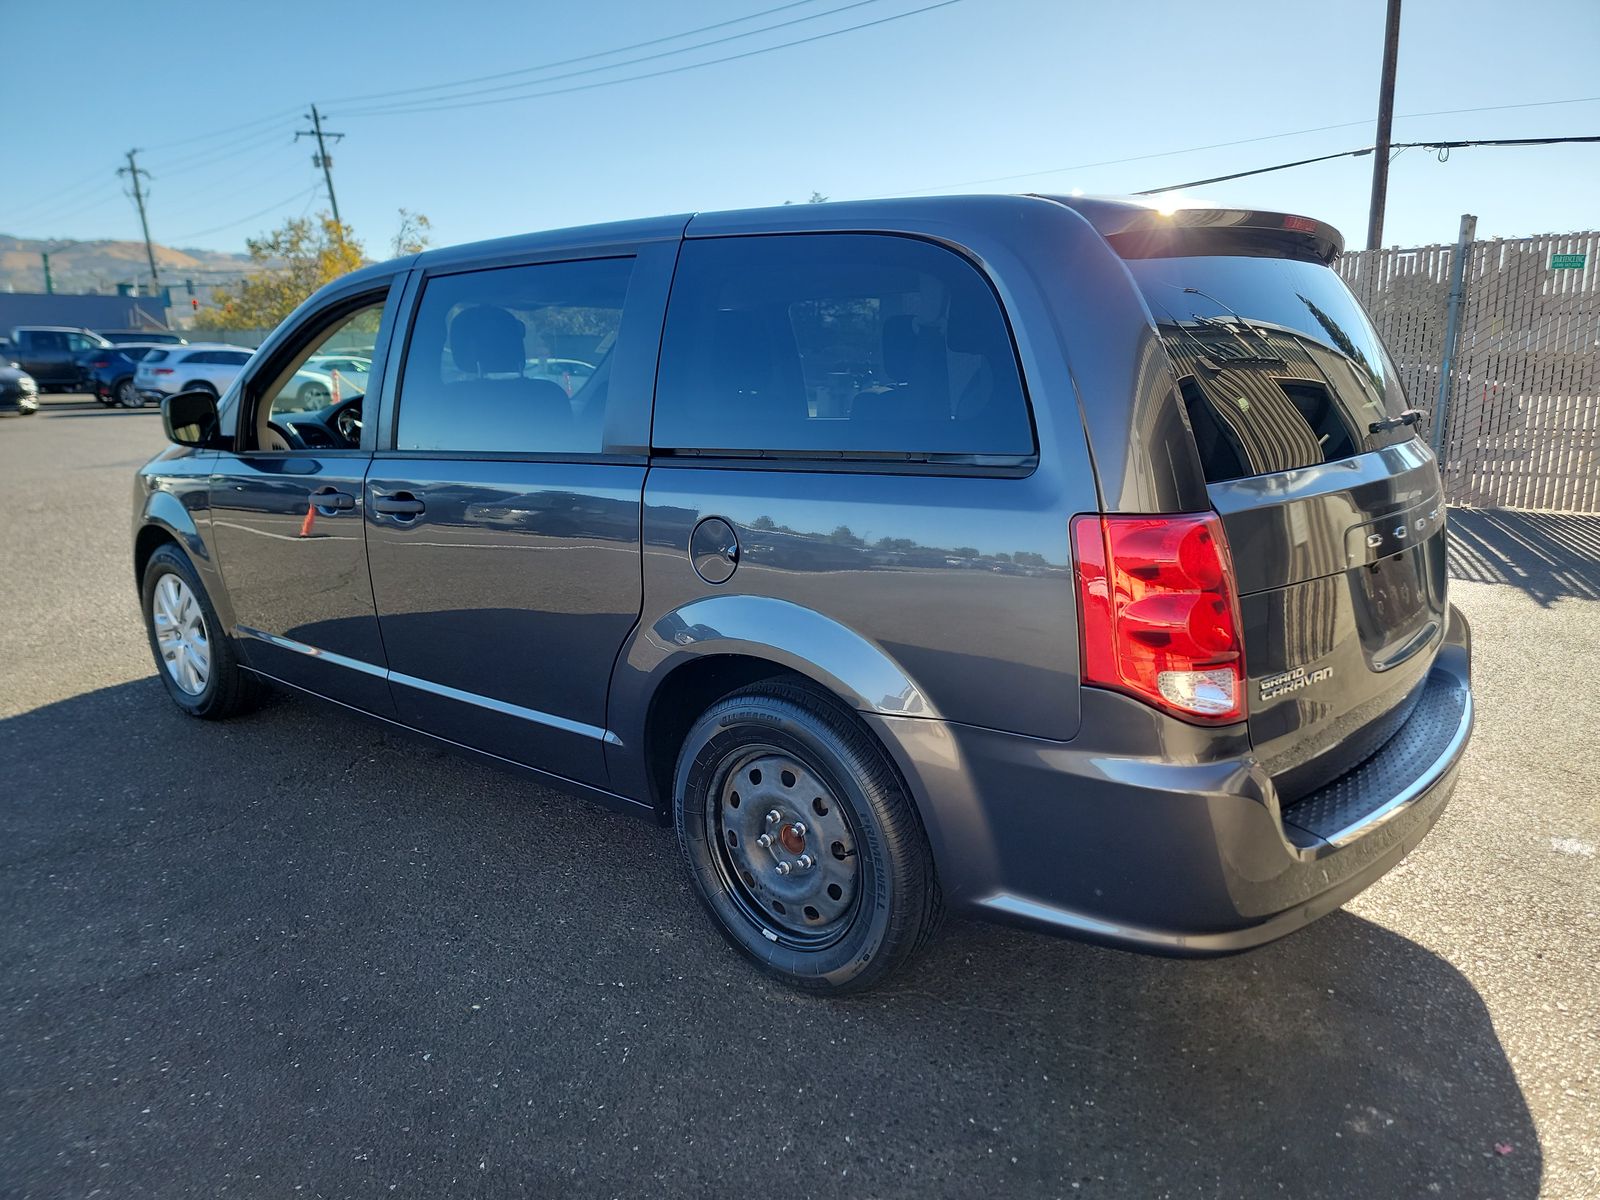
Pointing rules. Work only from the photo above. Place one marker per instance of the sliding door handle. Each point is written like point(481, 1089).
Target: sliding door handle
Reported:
point(401, 504)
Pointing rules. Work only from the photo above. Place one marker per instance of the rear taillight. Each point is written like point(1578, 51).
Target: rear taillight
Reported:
point(162, 371)
point(1159, 612)
point(100, 364)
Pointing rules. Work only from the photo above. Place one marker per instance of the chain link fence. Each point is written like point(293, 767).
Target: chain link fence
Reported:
point(1522, 422)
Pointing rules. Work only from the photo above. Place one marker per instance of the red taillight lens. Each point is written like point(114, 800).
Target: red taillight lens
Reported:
point(100, 364)
point(1160, 613)
point(161, 371)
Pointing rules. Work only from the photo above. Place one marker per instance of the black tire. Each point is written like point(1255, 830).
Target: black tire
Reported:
point(124, 393)
point(228, 688)
point(894, 903)
point(314, 393)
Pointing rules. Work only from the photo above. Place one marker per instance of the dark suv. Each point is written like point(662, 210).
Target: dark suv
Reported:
point(1060, 560)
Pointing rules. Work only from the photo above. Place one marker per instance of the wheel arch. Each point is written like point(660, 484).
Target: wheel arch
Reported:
point(165, 519)
point(674, 668)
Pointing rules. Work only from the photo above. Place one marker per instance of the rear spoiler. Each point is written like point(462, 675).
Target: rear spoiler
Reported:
point(1137, 229)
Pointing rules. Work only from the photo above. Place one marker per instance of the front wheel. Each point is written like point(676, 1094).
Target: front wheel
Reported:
point(314, 395)
point(194, 657)
point(127, 395)
point(801, 840)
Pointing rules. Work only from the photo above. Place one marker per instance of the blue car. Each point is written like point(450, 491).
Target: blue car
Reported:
point(108, 372)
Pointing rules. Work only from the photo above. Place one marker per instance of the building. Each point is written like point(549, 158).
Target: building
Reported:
point(80, 311)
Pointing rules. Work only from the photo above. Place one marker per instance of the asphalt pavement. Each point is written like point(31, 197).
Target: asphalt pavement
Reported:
point(297, 955)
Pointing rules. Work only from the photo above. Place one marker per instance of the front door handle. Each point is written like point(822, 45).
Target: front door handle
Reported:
point(330, 498)
point(401, 504)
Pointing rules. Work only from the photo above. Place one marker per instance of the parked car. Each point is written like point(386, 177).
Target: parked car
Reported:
point(51, 353)
point(352, 368)
point(108, 375)
point(19, 393)
point(166, 371)
point(203, 366)
point(1111, 603)
point(142, 337)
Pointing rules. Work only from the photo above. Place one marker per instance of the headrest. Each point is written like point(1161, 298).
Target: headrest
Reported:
point(972, 328)
point(487, 340)
point(899, 348)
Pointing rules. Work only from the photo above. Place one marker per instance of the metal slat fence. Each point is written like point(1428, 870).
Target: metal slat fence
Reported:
point(1523, 424)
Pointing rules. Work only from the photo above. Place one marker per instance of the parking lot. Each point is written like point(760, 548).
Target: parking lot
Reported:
point(298, 955)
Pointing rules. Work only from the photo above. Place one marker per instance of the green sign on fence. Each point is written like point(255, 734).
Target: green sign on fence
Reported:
point(1567, 262)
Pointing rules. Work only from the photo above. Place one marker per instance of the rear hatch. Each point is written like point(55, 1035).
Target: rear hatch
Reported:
point(1330, 498)
point(145, 372)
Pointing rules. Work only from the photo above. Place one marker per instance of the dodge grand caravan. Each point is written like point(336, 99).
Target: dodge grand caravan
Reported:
point(1055, 559)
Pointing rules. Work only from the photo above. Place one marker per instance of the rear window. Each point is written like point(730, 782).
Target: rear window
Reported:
point(1277, 364)
point(837, 344)
point(154, 356)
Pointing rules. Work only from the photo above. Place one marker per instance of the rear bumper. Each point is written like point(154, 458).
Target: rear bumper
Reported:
point(1181, 853)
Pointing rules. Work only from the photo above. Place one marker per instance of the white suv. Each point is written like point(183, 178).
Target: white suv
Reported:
point(210, 367)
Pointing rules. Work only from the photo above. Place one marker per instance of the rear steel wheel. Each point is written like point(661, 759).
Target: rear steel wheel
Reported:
point(786, 848)
point(801, 839)
point(128, 396)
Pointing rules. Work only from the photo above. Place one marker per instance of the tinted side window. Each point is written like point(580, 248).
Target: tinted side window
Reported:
point(199, 358)
point(854, 343)
point(475, 377)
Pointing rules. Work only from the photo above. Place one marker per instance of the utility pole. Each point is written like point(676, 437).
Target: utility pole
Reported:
point(133, 171)
point(1380, 148)
point(322, 159)
point(49, 283)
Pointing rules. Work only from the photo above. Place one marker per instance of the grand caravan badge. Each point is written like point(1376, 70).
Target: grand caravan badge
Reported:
point(1274, 686)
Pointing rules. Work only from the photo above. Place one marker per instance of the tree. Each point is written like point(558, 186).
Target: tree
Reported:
point(816, 198)
point(293, 261)
point(414, 235)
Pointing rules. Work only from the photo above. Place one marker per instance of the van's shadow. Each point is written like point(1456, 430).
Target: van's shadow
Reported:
point(1546, 555)
point(365, 952)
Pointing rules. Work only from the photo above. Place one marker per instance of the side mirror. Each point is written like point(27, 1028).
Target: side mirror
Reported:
point(190, 419)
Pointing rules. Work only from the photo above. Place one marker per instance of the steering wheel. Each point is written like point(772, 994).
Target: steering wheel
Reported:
point(291, 439)
point(347, 421)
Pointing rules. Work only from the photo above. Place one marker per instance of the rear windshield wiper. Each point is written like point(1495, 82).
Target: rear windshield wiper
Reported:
point(1411, 416)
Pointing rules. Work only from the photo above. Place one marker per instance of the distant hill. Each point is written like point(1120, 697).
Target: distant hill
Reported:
point(99, 266)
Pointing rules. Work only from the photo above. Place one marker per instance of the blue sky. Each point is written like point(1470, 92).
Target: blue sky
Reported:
point(976, 90)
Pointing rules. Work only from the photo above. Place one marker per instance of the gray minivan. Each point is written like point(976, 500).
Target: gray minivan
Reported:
point(1062, 560)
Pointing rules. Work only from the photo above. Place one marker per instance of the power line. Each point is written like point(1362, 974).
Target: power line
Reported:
point(1442, 146)
point(195, 162)
point(274, 207)
point(584, 87)
point(69, 195)
point(213, 200)
point(1266, 137)
point(505, 87)
point(567, 62)
point(281, 115)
